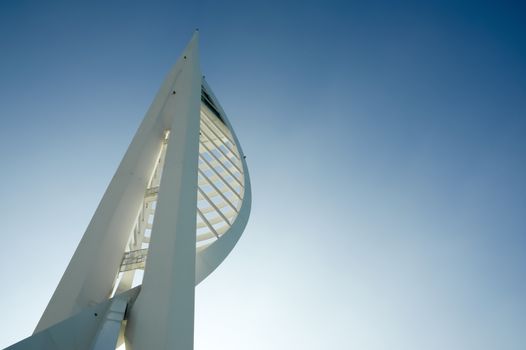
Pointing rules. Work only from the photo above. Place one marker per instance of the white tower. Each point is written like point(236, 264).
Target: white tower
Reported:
point(174, 209)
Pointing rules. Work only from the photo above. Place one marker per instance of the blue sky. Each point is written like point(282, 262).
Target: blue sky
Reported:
point(386, 147)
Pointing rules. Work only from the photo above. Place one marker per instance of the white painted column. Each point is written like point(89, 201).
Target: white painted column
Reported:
point(163, 314)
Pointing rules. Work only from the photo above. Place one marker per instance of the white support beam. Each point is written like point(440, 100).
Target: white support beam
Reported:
point(163, 315)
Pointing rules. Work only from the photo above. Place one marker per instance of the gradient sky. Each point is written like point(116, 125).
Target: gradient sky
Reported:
point(386, 142)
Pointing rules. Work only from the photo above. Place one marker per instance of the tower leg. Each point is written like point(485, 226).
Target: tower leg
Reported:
point(163, 315)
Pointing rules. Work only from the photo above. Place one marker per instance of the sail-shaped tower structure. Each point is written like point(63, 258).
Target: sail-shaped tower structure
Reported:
point(176, 206)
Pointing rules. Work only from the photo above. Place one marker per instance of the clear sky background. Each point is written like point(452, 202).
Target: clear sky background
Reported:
point(386, 143)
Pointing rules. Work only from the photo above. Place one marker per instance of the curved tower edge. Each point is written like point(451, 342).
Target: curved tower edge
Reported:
point(209, 259)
